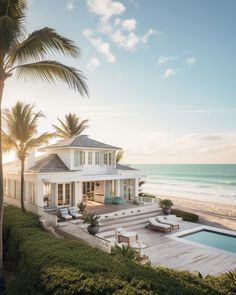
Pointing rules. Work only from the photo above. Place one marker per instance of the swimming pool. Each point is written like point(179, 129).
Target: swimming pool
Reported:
point(212, 238)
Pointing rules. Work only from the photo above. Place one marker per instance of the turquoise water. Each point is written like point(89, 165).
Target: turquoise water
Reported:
point(213, 239)
point(200, 182)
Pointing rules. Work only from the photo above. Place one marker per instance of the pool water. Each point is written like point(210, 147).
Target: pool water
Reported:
point(213, 239)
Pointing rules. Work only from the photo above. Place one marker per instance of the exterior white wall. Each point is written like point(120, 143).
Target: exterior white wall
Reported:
point(67, 155)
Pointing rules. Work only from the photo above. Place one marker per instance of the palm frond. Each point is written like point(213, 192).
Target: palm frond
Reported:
point(119, 156)
point(71, 126)
point(20, 128)
point(39, 141)
point(12, 14)
point(53, 71)
point(125, 251)
point(41, 42)
point(7, 143)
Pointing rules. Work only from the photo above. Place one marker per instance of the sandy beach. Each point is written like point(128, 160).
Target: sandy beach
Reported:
point(213, 214)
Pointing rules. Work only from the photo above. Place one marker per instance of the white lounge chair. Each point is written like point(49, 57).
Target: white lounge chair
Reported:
point(154, 224)
point(65, 213)
point(163, 220)
point(74, 213)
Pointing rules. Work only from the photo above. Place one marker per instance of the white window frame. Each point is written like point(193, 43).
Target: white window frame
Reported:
point(76, 158)
point(82, 158)
point(110, 159)
point(90, 158)
point(64, 193)
point(97, 158)
point(105, 156)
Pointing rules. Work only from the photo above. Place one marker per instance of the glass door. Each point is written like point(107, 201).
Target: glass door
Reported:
point(60, 194)
point(64, 194)
point(88, 190)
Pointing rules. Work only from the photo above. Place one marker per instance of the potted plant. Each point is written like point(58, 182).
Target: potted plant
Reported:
point(46, 200)
point(93, 223)
point(82, 206)
point(166, 205)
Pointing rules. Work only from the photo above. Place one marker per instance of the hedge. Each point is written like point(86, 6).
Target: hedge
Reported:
point(46, 265)
point(187, 216)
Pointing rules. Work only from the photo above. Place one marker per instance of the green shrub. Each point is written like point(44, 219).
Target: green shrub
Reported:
point(46, 265)
point(71, 281)
point(187, 216)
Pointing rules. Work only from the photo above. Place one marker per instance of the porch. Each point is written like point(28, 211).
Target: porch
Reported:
point(59, 194)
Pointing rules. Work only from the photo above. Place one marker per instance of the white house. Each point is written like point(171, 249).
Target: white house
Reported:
point(72, 170)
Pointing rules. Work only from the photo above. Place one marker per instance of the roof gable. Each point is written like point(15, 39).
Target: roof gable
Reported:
point(81, 141)
point(50, 163)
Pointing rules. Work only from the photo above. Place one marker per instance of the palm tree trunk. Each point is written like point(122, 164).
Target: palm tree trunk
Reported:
point(2, 285)
point(22, 181)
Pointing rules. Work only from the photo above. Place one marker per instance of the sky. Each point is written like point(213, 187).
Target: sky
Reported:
point(161, 76)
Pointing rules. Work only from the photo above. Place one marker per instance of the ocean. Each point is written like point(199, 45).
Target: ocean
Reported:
point(212, 183)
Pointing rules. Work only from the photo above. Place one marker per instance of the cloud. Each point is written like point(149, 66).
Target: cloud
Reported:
point(169, 73)
point(102, 47)
point(204, 111)
point(165, 147)
point(165, 59)
point(93, 64)
point(130, 41)
point(105, 9)
point(120, 31)
point(70, 5)
point(190, 61)
point(129, 24)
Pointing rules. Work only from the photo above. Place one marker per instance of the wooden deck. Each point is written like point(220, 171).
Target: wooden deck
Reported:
point(164, 250)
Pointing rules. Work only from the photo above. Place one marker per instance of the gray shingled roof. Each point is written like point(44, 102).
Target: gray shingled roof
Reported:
point(123, 167)
point(50, 163)
point(82, 141)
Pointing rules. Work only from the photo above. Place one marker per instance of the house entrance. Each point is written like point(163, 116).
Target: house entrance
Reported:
point(88, 190)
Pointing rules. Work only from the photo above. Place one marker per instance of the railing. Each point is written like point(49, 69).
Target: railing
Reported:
point(144, 199)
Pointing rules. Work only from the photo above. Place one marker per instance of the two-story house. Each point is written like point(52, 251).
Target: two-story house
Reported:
point(70, 171)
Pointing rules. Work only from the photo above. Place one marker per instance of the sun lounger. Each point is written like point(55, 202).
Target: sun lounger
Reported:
point(163, 220)
point(64, 214)
point(74, 213)
point(126, 236)
point(154, 224)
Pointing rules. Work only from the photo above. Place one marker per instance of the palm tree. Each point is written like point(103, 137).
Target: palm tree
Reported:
point(25, 56)
point(125, 251)
point(72, 126)
point(19, 134)
point(119, 156)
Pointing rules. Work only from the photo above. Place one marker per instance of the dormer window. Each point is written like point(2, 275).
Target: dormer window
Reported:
point(97, 158)
point(105, 159)
point(90, 158)
point(76, 159)
point(110, 158)
point(79, 158)
point(82, 158)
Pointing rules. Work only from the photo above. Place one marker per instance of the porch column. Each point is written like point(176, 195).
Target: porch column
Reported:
point(127, 189)
point(118, 188)
point(78, 192)
point(39, 193)
point(135, 188)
